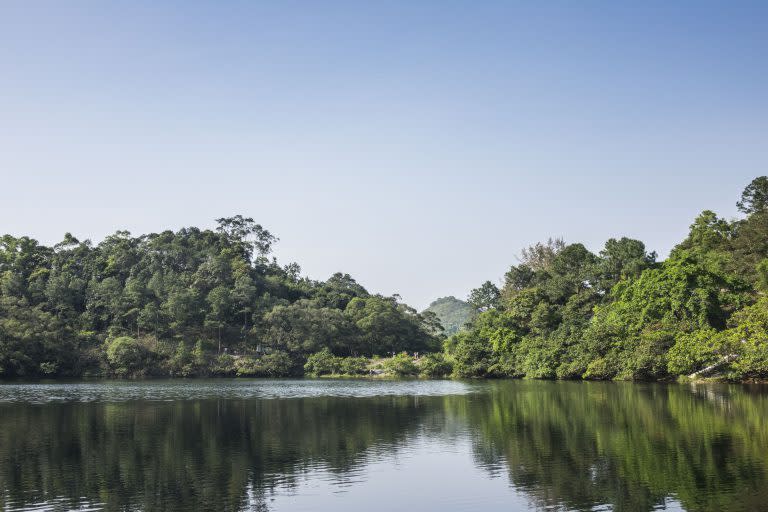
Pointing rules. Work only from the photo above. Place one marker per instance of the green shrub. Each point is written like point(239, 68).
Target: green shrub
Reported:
point(353, 365)
point(189, 363)
point(277, 364)
point(198, 354)
point(223, 366)
point(247, 366)
point(748, 341)
point(601, 368)
point(539, 357)
point(692, 352)
point(647, 357)
point(49, 368)
point(762, 275)
point(325, 363)
point(401, 365)
point(182, 364)
point(435, 365)
point(128, 357)
point(472, 354)
point(322, 363)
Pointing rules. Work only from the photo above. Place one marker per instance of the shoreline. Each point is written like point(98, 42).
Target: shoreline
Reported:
point(372, 378)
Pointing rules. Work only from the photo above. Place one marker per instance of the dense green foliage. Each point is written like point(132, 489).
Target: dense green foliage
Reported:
point(191, 302)
point(565, 312)
point(435, 365)
point(452, 313)
point(401, 365)
point(203, 302)
point(325, 363)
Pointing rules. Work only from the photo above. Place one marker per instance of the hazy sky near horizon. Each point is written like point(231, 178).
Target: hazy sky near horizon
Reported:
point(417, 145)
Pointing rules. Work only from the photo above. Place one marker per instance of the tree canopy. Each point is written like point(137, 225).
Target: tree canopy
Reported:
point(137, 305)
point(215, 302)
point(565, 312)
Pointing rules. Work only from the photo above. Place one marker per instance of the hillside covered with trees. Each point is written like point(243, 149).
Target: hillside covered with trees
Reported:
point(565, 312)
point(452, 313)
point(192, 302)
point(213, 302)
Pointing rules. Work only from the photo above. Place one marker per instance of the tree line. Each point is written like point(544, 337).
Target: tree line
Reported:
point(566, 312)
point(214, 302)
point(191, 302)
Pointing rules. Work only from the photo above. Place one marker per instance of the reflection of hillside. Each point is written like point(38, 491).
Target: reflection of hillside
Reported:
point(566, 444)
point(628, 445)
point(216, 455)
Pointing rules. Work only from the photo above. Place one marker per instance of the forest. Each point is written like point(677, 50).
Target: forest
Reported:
point(564, 312)
point(216, 303)
point(186, 303)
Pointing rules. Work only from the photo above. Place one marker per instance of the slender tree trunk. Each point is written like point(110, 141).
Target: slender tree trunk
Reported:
point(723, 361)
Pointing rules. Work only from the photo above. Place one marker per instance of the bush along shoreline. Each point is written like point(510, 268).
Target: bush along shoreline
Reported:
point(127, 357)
point(201, 302)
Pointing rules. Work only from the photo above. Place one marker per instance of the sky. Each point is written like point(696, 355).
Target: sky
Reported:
point(416, 145)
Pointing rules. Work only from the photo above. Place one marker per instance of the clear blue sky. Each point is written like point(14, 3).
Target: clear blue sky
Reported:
point(416, 145)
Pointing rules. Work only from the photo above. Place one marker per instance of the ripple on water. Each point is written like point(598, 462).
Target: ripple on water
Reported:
point(166, 390)
point(60, 504)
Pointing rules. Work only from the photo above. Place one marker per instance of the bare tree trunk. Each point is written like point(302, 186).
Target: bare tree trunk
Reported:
point(723, 361)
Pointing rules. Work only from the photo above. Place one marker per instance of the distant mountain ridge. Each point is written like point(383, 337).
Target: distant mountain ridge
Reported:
point(452, 313)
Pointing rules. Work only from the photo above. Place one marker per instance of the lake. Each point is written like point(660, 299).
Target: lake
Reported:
point(337, 445)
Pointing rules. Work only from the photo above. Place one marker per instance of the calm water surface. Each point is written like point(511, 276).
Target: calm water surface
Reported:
point(322, 445)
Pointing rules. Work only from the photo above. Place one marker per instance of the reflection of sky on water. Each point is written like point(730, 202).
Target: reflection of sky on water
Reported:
point(425, 474)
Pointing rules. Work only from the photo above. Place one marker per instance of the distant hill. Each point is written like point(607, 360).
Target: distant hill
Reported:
point(452, 313)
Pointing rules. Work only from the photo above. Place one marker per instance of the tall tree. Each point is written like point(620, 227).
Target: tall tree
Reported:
point(754, 198)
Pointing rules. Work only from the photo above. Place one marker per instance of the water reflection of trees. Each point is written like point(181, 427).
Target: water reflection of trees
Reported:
point(214, 455)
point(628, 445)
point(573, 445)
